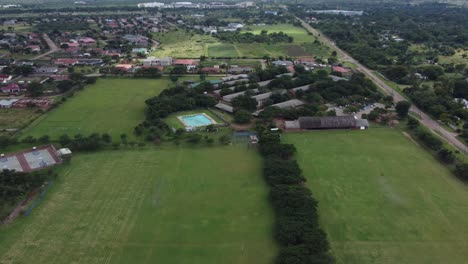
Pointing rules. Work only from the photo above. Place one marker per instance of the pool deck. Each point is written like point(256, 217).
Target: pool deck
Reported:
point(181, 119)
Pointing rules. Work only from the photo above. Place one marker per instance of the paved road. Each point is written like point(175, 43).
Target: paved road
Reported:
point(52, 47)
point(425, 119)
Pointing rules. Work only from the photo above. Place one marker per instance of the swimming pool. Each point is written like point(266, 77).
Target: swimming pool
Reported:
point(196, 120)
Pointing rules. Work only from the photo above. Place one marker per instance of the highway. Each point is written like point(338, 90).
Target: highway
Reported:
point(425, 119)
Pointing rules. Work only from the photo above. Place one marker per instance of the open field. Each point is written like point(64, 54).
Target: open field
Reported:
point(457, 58)
point(172, 205)
point(13, 118)
point(16, 28)
point(180, 44)
point(113, 106)
point(299, 34)
point(383, 199)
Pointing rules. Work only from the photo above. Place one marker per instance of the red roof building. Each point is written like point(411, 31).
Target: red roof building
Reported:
point(60, 77)
point(186, 62)
point(87, 41)
point(12, 88)
point(66, 62)
point(125, 67)
point(210, 70)
point(72, 50)
point(340, 69)
point(72, 44)
point(34, 48)
point(5, 78)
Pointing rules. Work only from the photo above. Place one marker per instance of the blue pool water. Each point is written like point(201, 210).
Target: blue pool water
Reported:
point(197, 120)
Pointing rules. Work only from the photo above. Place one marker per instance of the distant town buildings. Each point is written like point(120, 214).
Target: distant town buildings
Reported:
point(195, 5)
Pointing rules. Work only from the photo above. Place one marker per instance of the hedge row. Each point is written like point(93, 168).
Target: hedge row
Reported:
point(297, 229)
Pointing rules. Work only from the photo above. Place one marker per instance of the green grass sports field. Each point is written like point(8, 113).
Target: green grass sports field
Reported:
point(172, 205)
point(383, 199)
point(113, 106)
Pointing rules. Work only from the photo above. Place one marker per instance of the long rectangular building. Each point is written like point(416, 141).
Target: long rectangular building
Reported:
point(326, 122)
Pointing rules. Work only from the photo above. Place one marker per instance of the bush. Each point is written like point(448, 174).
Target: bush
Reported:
point(429, 139)
point(242, 117)
point(194, 138)
point(412, 123)
point(462, 171)
point(446, 156)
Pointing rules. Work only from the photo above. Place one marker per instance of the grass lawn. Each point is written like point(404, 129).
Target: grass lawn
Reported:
point(222, 50)
point(383, 199)
point(298, 33)
point(180, 44)
point(16, 28)
point(113, 106)
point(457, 58)
point(174, 122)
point(149, 206)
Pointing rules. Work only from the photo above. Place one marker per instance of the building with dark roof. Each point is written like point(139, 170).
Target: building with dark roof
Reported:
point(327, 122)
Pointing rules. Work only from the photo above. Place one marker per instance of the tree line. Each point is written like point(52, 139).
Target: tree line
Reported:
point(297, 229)
point(16, 185)
point(436, 145)
point(263, 37)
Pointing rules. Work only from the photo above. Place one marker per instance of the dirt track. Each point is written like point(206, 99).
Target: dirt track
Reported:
point(52, 47)
point(427, 121)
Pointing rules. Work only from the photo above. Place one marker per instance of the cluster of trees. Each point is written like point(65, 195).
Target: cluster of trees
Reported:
point(15, 185)
point(61, 26)
point(297, 228)
point(263, 37)
point(439, 100)
point(179, 98)
point(79, 142)
point(369, 37)
point(148, 72)
point(268, 73)
point(18, 70)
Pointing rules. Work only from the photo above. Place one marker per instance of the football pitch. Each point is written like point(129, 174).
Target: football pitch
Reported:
point(383, 199)
point(172, 205)
point(113, 106)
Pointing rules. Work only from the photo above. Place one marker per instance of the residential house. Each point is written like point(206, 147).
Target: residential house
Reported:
point(12, 88)
point(65, 62)
point(34, 48)
point(47, 69)
point(212, 70)
point(340, 69)
point(124, 67)
point(60, 77)
point(235, 25)
point(5, 78)
point(282, 63)
point(87, 41)
point(189, 63)
point(239, 70)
